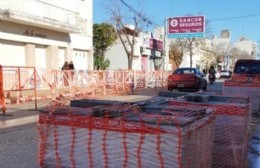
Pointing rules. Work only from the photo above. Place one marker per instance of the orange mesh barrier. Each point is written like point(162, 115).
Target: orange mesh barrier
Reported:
point(125, 136)
point(81, 84)
point(2, 98)
point(251, 90)
point(23, 87)
point(19, 87)
point(230, 128)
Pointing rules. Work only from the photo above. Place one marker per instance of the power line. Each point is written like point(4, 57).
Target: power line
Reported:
point(236, 17)
point(145, 19)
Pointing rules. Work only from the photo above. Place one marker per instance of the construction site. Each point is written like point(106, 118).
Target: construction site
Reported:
point(140, 125)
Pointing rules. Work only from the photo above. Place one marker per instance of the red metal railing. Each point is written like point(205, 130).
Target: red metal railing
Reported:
point(27, 84)
point(2, 99)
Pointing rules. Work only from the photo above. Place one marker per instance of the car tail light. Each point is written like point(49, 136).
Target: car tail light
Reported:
point(171, 78)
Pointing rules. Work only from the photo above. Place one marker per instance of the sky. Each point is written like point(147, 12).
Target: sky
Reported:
point(241, 17)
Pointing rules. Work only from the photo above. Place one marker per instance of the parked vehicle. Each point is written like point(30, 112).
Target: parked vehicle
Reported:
point(247, 70)
point(217, 75)
point(225, 74)
point(187, 78)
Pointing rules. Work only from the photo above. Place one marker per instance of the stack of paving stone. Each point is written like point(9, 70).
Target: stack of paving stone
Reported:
point(125, 136)
point(86, 103)
point(231, 125)
point(250, 90)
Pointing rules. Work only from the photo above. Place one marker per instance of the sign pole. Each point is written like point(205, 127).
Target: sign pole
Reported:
point(165, 51)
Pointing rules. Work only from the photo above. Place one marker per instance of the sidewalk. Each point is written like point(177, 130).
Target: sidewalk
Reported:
point(19, 117)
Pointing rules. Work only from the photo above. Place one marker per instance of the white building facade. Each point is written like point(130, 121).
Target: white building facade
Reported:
point(147, 54)
point(46, 33)
point(247, 46)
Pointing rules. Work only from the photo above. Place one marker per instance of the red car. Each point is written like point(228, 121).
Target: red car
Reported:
point(247, 70)
point(187, 78)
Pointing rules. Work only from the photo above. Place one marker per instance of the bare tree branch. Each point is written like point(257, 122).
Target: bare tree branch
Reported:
point(127, 28)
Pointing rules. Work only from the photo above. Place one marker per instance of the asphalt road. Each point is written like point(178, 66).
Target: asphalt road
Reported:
point(19, 145)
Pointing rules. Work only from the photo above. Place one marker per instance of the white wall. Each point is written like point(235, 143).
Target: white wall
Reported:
point(14, 30)
point(117, 56)
point(246, 46)
point(12, 53)
point(186, 61)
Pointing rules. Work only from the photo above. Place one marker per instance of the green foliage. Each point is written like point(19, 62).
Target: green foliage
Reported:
point(104, 35)
point(100, 63)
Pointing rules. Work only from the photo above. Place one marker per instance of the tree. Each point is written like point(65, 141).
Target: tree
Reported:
point(188, 45)
point(127, 33)
point(101, 63)
point(176, 52)
point(192, 43)
point(208, 57)
point(104, 35)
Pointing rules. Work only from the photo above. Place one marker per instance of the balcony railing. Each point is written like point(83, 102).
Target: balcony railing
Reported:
point(41, 13)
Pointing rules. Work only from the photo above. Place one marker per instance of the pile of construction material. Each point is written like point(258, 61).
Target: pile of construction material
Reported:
point(230, 127)
point(179, 130)
point(125, 135)
point(248, 89)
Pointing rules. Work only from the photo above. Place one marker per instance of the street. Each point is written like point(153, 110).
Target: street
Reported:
point(19, 145)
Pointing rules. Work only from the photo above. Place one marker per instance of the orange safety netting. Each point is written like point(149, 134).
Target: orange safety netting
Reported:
point(19, 85)
point(251, 90)
point(2, 99)
point(230, 127)
point(27, 87)
point(125, 136)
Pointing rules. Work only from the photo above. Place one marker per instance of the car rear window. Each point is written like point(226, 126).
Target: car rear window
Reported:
point(247, 67)
point(184, 71)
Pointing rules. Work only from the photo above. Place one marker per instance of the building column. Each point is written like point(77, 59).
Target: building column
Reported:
point(30, 55)
point(52, 59)
point(90, 60)
point(68, 54)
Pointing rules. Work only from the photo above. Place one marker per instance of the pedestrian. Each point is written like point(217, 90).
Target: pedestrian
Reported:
point(65, 66)
point(204, 71)
point(71, 65)
point(71, 68)
point(65, 69)
point(212, 70)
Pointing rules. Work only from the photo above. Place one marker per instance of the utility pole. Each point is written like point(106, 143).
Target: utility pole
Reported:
point(165, 51)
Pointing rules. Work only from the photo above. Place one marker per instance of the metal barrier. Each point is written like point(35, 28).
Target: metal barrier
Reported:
point(2, 99)
point(19, 86)
point(27, 84)
point(82, 84)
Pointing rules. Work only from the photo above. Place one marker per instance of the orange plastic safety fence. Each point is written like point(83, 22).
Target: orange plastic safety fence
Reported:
point(230, 129)
point(82, 84)
point(19, 87)
point(251, 90)
point(125, 136)
point(2, 98)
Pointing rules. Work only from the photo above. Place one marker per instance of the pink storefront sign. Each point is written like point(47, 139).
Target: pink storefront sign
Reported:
point(186, 26)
